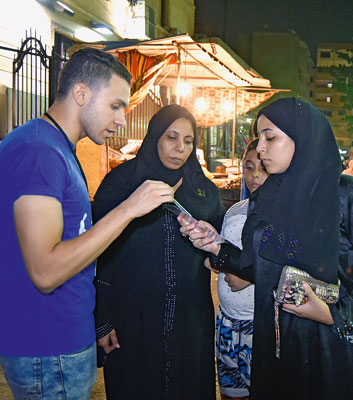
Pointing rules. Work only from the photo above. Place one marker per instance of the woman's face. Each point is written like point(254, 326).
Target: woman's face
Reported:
point(255, 173)
point(176, 144)
point(276, 149)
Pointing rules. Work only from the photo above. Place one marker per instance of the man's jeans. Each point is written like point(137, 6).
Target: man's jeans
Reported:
point(63, 377)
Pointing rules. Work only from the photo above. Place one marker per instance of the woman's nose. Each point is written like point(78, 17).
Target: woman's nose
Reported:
point(260, 147)
point(180, 145)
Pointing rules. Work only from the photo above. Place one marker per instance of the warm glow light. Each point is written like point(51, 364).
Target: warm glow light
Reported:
point(201, 105)
point(228, 106)
point(129, 21)
point(185, 89)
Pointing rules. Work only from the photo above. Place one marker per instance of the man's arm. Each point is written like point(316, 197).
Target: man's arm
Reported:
point(39, 223)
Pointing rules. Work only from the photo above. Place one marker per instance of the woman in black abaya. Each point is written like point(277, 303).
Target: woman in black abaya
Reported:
point(293, 219)
point(152, 288)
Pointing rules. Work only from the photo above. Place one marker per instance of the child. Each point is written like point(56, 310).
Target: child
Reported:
point(234, 326)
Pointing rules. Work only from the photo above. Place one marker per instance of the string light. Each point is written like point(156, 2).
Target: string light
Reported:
point(201, 105)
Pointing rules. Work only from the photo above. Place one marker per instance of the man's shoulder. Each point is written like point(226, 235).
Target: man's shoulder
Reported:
point(35, 131)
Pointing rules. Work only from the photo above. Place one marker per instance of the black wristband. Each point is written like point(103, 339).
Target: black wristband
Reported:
point(213, 259)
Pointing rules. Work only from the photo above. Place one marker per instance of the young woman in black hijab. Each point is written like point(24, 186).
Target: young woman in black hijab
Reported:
point(293, 219)
point(152, 289)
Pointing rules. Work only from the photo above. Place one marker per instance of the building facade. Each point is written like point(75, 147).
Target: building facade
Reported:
point(326, 98)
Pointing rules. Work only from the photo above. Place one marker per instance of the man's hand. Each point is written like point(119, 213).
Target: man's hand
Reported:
point(109, 342)
point(49, 260)
point(314, 309)
point(149, 196)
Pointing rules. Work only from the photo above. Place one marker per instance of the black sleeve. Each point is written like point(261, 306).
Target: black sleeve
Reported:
point(108, 196)
point(102, 282)
point(228, 260)
point(342, 314)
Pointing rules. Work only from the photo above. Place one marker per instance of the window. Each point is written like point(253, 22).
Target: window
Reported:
point(325, 54)
point(328, 113)
point(329, 99)
point(311, 94)
point(323, 83)
point(341, 112)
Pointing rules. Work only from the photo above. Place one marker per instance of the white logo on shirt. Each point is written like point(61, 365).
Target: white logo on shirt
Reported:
point(82, 225)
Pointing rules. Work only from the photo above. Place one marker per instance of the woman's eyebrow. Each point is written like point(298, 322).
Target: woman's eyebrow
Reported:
point(178, 133)
point(265, 130)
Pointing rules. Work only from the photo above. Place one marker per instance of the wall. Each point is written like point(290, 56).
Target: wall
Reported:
point(180, 14)
point(13, 25)
point(93, 159)
point(328, 55)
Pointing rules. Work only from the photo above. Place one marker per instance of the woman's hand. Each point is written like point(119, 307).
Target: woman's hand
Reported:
point(201, 234)
point(235, 283)
point(109, 342)
point(314, 309)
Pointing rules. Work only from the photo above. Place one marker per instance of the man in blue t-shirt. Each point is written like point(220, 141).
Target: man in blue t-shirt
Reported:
point(48, 246)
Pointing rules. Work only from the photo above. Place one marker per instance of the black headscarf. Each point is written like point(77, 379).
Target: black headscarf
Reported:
point(147, 165)
point(300, 207)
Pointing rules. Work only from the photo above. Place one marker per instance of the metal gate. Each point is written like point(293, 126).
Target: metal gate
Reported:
point(30, 89)
point(34, 79)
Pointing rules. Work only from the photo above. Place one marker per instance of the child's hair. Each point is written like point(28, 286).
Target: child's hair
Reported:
point(250, 146)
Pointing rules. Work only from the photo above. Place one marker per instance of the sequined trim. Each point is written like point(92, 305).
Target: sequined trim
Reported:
point(346, 334)
point(102, 282)
point(266, 236)
point(170, 296)
point(285, 243)
point(103, 330)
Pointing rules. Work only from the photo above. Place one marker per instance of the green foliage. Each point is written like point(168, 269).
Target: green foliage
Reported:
point(343, 82)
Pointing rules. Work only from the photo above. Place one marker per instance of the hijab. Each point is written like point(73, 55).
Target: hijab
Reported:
point(193, 192)
point(300, 207)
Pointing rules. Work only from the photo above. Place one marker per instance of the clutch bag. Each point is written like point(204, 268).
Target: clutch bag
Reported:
point(290, 290)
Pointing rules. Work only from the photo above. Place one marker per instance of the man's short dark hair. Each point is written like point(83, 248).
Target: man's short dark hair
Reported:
point(90, 66)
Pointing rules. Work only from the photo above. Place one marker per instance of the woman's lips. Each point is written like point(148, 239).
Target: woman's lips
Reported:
point(176, 160)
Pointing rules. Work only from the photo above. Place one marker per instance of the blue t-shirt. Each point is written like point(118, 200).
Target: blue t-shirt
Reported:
point(35, 159)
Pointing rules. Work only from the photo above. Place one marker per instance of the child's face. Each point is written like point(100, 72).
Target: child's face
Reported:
point(254, 171)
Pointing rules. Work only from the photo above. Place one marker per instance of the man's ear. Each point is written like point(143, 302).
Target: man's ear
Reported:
point(81, 93)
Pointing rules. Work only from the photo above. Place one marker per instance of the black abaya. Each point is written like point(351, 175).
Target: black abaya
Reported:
point(152, 286)
point(293, 219)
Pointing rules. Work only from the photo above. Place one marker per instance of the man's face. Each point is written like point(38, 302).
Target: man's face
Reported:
point(104, 110)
